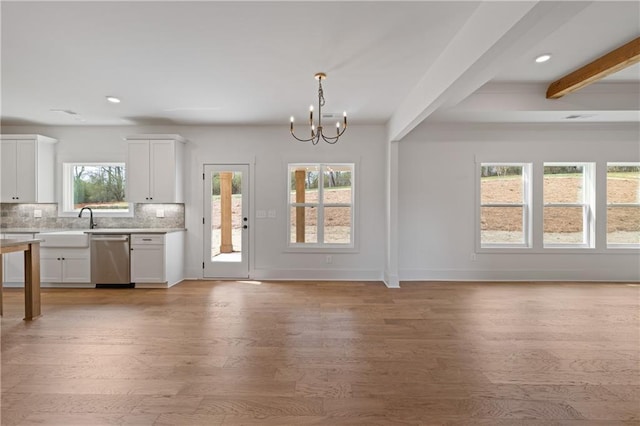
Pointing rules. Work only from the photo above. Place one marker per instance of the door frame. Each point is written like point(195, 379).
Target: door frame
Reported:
point(249, 210)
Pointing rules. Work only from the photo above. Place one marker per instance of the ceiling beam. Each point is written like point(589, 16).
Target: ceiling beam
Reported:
point(610, 63)
point(477, 53)
point(467, 46)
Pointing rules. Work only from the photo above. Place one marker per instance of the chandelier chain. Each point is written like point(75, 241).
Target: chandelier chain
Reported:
point(320, 93)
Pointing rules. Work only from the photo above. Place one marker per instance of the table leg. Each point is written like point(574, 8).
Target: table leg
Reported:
point(32, 282)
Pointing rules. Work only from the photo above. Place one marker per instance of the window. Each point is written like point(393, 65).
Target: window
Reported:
point(623, 205)
point(568, 205)
point(321, 201)
point(100, 186)
point(505, 199)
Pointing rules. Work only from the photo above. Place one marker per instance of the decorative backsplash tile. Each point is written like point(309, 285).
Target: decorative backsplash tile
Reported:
point(22, 216)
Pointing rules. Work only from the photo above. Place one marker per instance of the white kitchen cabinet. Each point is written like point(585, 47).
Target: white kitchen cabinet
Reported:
point(27, 169)
point(13, 263)
point(147, 258)
point(157, 259)
point(155, 169)
point(70, 265)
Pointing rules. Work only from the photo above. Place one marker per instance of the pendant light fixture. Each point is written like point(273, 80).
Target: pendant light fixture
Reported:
point(317, 130)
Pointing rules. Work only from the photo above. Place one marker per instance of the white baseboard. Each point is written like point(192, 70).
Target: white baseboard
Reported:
point(391, 280)
point(317, 274)
point(518, 275)
point(51, 285)
point(157, 285)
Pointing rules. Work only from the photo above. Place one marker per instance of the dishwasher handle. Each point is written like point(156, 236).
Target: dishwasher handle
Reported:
point(109, 238)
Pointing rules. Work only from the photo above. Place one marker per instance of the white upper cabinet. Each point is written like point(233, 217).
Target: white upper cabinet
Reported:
point(155, 169)
point(27, 169)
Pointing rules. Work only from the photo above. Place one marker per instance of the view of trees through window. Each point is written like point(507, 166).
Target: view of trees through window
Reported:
point(100, 187)
point(320, 196)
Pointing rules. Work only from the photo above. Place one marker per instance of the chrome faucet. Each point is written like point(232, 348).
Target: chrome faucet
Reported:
point(92, 224)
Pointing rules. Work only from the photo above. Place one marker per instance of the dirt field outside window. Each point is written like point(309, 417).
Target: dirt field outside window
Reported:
point(561, 223)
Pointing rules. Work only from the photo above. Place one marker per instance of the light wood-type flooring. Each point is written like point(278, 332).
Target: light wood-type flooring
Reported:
point(325, 353)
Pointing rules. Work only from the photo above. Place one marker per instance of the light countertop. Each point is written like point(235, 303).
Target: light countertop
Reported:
point(133, 230)
point(93, 231)
point(17, 242)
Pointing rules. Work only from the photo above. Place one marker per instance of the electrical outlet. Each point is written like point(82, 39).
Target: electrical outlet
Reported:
point(37, 213)
point(328, 259)
point(160, 213)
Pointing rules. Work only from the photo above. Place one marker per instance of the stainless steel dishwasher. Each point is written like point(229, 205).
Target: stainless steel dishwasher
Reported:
point(110, 264)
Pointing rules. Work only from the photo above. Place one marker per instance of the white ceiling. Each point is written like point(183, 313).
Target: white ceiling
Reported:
point(253, 62)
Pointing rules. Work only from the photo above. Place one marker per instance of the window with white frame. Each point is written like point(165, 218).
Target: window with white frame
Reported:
point(321, 205)
point(100, 186)
point(623, 205)
point(505, 205)
point(568, 205)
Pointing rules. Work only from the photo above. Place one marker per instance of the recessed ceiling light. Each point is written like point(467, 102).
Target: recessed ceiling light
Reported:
point(543, 58)
point(113, 99)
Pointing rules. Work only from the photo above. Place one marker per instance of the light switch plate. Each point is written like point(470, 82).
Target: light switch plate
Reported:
point(261, 214)
point(272, 213)
point(37, 213)
point(160, 213)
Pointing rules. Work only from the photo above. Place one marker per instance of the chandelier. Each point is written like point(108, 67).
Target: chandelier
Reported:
point(317, 130)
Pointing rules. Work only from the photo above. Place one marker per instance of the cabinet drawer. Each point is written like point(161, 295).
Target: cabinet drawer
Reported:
point(147, 239)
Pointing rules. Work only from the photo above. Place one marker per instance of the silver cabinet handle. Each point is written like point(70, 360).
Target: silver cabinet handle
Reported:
point(96, 238)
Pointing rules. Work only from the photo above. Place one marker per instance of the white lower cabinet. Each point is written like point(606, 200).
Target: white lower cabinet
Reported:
point(65, 265)
point(147, 259)
point(156, 259)
point(13, 263)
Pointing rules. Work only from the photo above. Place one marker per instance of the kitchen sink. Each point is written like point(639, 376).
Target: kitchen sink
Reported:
point(74, 238)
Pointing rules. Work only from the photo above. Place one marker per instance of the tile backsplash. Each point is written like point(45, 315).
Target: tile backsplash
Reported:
point(22, 216)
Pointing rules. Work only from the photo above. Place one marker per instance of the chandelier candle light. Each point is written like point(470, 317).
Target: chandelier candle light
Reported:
point(316, 131)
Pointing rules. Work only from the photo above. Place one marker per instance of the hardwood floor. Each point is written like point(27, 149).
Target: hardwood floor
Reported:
point(325, 353)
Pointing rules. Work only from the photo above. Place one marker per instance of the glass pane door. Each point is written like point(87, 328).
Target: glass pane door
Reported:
point(226, 221)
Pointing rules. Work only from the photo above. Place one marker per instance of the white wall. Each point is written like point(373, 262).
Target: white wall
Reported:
point(267, 149)
point(437, 200)
point(435, 207)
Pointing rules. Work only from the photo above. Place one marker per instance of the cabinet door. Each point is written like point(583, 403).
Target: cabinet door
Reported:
point(162, 181)
point(50, 266)
point(8, 171)
point(26, 172)
point(76, 270)
point(13, 267)
point(138, 172)
point(147, 264)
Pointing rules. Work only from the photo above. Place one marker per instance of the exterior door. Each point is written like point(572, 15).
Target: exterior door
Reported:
point(226, 221)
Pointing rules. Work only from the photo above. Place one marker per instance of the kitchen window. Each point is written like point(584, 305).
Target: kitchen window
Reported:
point(100, 186)
point(568, 205)
point(321, 205)
point(623, 205)
point(505, 205)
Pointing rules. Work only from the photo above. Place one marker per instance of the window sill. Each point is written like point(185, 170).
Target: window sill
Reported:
point(567, 250)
